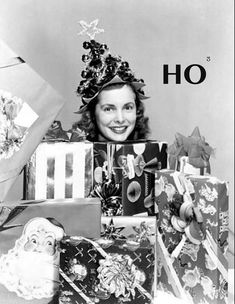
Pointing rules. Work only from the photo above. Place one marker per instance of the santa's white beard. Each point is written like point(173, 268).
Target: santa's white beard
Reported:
point(30, 274)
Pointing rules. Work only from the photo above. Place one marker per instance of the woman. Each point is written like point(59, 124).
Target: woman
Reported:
point(112, 109)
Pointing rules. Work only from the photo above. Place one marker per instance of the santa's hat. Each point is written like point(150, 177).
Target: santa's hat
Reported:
point(50, 225)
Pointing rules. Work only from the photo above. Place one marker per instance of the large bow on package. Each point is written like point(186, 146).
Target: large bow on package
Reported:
point(116, 268)
point(56, 133)
point(194, 147)
point(28, 105)
point(191, 246)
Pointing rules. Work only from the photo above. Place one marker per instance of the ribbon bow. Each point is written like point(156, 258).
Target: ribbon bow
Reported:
point(56, 133)
point(189, 221)
point(78, 135)
point(117, 275)
point(135, 166)
point(110, 196)
point(193, 146)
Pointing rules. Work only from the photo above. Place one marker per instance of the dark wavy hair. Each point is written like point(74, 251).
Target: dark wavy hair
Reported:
point(88, 124)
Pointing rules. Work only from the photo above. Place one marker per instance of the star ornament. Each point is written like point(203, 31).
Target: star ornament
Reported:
point(90, 29)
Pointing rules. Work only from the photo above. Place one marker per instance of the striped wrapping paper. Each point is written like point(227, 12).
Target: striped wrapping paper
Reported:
point(59, 170)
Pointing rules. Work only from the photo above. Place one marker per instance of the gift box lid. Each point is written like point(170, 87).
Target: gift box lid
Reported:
point(78, 216)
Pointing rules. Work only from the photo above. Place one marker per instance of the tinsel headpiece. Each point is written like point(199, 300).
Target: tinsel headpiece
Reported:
point(103, 69)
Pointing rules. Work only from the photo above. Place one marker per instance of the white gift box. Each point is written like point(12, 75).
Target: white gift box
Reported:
point(60, 170)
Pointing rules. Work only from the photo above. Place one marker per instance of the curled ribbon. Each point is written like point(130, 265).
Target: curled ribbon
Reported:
point(193, 146)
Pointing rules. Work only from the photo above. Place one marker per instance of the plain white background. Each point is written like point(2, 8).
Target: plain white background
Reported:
point(148, 34)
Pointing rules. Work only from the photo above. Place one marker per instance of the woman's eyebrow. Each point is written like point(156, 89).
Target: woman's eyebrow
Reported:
point(130, 102)
point(108, 105)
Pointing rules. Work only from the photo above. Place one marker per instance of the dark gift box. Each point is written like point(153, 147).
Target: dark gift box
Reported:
point(117, 268)
point(29, 245)
point(193, 236)
point(125, 164)
point(59, 170)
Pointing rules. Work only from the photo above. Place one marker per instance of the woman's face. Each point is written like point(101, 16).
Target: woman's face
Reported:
point(115, 113)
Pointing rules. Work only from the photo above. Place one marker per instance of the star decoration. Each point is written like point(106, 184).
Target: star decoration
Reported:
point(112, 232)
point(90, 29)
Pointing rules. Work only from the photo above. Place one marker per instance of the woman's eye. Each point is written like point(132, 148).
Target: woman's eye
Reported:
point(108, 109)
point(34, 241)
point(129, 107)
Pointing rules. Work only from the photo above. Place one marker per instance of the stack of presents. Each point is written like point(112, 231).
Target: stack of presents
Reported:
point(105, 222)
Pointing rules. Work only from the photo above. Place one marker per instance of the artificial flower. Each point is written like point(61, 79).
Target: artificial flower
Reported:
point(11, 134)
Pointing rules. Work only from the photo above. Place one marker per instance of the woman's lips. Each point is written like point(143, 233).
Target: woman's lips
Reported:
point(119, 130)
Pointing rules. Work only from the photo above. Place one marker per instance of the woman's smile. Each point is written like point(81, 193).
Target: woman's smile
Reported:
point(119, 130)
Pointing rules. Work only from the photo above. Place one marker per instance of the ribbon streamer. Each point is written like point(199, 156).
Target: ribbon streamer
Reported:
point(78, 290)
point(170, 271)
point(216, 255)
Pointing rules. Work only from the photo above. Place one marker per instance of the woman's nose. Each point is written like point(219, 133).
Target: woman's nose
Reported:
point(119, 116)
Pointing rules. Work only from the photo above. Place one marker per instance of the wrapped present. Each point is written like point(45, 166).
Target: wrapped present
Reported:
point(124, 164)
point(29, 245)
point(193, 236)
point(190, 154)
point(117, 268)
point(211, 195)
point(24, 96)
point(59, 170)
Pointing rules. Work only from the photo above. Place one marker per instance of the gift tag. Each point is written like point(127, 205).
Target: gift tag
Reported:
point(186, 168)
point(26, 116)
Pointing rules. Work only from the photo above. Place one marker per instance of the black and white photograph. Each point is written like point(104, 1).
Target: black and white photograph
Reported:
point(116, 152)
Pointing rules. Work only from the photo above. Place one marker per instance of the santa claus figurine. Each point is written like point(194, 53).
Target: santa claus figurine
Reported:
point(31, 268)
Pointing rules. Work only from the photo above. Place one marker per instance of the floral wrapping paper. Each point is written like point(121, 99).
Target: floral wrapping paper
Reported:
point(212, 198)
point(125, 162)
point(117, 268)
point(24, 97)
point(29, 245)
point(59, 170)
point(197, 272)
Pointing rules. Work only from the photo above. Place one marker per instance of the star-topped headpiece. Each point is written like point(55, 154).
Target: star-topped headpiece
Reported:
point(102, 68)
point(90, 29)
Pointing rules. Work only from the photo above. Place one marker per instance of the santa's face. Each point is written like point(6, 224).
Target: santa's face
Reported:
point(30, 269)
point(41, 242)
